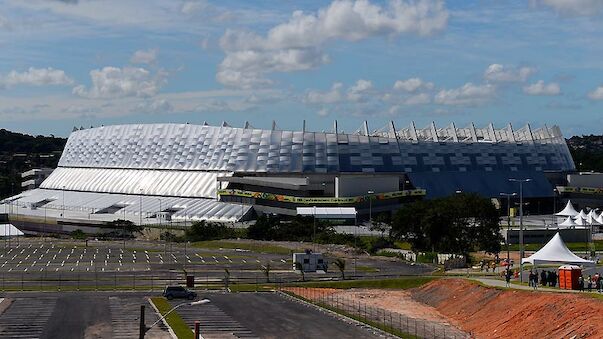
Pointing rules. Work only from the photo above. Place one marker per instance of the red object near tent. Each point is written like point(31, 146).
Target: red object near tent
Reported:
point(568, 277)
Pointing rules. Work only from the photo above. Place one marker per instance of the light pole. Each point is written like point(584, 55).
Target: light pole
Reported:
point(520, 181)
point(140, 209)
point(370, 193)
point(508, 195)
point(554, 206)
point(144, 329)
point(63, 211)
point(314, 230)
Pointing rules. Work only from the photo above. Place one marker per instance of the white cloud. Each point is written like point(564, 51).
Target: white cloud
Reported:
point(36, 77)
point(412, 85)
point(500, 73)
point(113, 82)
point(298, 44)
point(4, 23)
point(158, 106)
point(468, 94)
point(358, 91)
point(144, 57)
point(596, 94)
point(330, 97)
point(540, 88)
point(418, 99)
point(572, 7)
point(193, 7)
point(323, 112)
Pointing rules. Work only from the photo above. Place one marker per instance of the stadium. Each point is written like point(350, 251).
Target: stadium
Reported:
point(177, 173)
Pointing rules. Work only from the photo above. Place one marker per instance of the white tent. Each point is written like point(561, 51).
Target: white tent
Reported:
point(591, 218)
point(599, 218)
point(568, 211)
point(568, 222)
point(555, 252)
point(581, 215)
point(579, 221)
point(8, 230)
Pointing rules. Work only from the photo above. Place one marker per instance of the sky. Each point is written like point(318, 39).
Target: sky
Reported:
point(66, 63)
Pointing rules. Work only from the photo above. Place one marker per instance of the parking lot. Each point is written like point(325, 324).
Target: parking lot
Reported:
point(115, 315)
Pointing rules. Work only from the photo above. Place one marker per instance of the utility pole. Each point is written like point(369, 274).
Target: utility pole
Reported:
point(508, 195)
point(521, 182)
point(142, 328)
point(370, 193)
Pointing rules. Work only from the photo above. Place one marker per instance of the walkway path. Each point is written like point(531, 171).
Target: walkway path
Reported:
point(501, 283)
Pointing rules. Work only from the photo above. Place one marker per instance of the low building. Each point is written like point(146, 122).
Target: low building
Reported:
point(34, 177)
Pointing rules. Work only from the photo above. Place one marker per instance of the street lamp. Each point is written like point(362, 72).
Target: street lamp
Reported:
point(63, 211)
point(508, 195)
point(144, 329)
point(554, 206)
point(520, 181)
point(370, 193)
point(140, 209)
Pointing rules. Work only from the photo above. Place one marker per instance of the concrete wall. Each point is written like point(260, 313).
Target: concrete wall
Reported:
point(354, 185)
point(585, 180)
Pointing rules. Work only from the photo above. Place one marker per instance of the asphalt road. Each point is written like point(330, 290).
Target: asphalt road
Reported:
point(115, 315)
point(269, 315)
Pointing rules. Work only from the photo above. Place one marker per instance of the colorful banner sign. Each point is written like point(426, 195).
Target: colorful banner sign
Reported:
point(321, 200)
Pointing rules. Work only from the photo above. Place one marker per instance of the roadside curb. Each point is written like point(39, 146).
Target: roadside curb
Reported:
point(172, 333)
point(337, 315)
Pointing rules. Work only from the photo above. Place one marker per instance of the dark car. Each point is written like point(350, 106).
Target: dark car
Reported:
point(178, 292)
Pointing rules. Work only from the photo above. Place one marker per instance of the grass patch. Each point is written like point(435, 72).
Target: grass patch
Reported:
point(403, 245)
point(173, 319)
point(368, 269)
point(396, 283)
point(253, 247)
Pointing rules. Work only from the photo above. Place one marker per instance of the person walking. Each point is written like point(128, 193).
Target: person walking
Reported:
point(589, 283)
point(536, 280)
point(531, 279)
point(581, 283)
point(543, 277)
point(508, 277)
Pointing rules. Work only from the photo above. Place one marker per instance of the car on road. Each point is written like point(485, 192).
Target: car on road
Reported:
point(179, 292)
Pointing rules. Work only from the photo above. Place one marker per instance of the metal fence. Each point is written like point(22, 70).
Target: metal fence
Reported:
point(389, 321)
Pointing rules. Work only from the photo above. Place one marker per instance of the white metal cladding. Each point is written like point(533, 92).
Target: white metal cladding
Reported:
point(169, 183)
point(210, 148)
point(85, 204)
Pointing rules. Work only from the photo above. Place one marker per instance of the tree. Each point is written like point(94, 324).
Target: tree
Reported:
point(264, 228)
point(340, 263)
point(202, 230)
point(266, 269)
point(457, 224)
point(126, 227)
point(381, 223)
point(300, 268)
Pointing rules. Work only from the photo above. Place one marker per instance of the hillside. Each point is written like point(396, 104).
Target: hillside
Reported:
point(21, 152)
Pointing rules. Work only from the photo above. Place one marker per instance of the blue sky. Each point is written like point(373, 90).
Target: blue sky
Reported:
point(92, 62)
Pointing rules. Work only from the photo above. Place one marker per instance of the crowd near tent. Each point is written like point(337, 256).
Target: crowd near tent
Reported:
point(555, 252)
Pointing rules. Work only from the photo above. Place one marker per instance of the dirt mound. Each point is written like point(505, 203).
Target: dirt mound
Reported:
point(492, 313)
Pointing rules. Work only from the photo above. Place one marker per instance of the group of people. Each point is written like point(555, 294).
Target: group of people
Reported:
point(546, 278)
point(595, 281)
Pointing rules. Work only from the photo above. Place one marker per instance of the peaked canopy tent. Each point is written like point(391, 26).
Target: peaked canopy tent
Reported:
point(568, 211)
point(555, 252)
point(568, 222)
point(582, 215)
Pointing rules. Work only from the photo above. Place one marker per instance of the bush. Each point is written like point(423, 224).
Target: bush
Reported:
point(202, 230)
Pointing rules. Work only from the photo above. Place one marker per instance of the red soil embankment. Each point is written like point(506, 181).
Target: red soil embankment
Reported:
point(493, 313)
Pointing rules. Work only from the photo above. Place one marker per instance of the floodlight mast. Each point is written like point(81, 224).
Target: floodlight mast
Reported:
point(521, 182)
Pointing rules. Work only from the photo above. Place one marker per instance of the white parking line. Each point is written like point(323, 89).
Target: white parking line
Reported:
point(63, 263)
point(48, 263)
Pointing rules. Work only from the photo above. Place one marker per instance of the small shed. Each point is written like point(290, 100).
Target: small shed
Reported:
point(310, 262)
point(568, 277)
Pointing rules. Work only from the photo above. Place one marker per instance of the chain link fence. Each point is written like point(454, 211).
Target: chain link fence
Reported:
point(389, 321)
